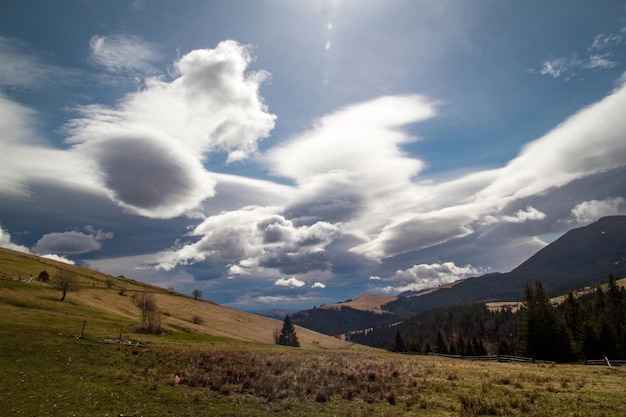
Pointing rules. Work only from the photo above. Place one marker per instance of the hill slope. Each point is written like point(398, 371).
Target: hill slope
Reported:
point(105, 299)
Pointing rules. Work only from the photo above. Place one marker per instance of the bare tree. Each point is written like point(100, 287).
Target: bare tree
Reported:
point(196, 294)
point(150, 314)
point(65, 282)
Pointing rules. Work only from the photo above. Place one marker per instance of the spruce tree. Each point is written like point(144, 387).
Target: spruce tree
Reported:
point(441, 346)
point(543, 335)
point(288, 335)
point(399, 345)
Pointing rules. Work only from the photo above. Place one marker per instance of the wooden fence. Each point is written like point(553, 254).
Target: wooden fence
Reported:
point(521, 359)
point(494, 358)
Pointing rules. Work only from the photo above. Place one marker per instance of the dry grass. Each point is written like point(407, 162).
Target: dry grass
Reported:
point(232, 374)
point(114, 298)
point(363, 384)
point(366, 302)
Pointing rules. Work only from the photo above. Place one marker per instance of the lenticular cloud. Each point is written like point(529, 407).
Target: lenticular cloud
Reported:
point(148, 150)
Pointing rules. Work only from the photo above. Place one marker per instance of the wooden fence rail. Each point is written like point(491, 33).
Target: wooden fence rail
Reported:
point(521, 359)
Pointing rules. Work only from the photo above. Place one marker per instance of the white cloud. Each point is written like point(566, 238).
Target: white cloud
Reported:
point(59, 258)
point(393, 214)
point(146, 153)
point(148, 150)
point(589, 142)
point(318, 285)
point(350, 167)
point(257, 237)
point(590, 211)
point(291, 282)
point(600, 61)
point(599, 56)
point(520, 216)
point(122, 53)
point(5, 242)
point(603, 42)
point(360, 143)
point(561, 67)
point(424, 276)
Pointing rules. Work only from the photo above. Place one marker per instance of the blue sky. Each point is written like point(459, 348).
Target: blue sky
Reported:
point(294, 153)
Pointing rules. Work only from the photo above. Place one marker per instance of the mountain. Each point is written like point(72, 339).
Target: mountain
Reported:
point(273, 313)
point(108, 302)
point(581, 257)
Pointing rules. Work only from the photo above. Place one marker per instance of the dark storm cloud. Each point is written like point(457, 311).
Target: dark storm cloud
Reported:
point(66, 242)
point(145, 173)
point(298, 263)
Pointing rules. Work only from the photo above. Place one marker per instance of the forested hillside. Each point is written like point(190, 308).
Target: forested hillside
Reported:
point(339, 321)
point(588, 326)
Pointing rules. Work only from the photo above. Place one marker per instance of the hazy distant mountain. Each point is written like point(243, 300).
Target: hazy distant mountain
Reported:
point(581, 257)
point(273, 313)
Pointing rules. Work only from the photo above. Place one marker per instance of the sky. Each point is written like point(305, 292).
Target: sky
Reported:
point(289, 154)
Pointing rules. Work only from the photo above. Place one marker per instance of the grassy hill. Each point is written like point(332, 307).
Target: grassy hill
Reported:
point(111, 301)
point(227, 366)
point(366, 302)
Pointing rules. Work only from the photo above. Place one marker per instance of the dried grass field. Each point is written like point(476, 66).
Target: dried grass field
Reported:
point(48, 371)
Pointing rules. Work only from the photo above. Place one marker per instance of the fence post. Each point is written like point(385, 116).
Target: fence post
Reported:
point(82, 331)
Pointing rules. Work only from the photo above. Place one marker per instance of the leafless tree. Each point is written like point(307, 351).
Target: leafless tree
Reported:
point(65, 282)
point(150, 314)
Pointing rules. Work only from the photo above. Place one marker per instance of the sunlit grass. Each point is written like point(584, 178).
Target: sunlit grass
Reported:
point(47, 371)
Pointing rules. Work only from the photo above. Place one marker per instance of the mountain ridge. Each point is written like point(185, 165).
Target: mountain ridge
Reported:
point(580, 257)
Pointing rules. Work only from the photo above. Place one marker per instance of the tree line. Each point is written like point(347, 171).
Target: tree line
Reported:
point(587, 326)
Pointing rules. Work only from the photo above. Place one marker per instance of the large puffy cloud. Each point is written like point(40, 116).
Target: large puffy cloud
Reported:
point(290, 282)
point(5, 242)
point(589, 142)
point(67, 242)
point(349, 169)
point(254, 238)
point(146, 152)
point(424, 276)
point(590, 211)
point(149, 149)
point(360, 143)
point(149, 174)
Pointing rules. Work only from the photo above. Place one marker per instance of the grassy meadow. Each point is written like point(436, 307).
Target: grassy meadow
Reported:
point(48, 371)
